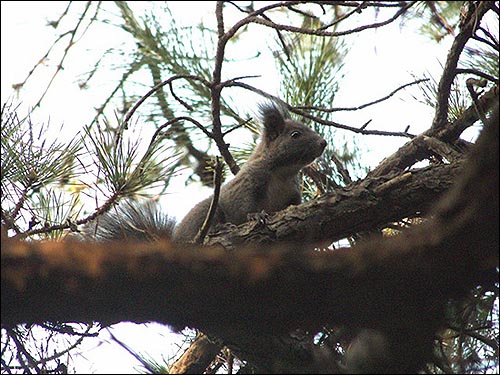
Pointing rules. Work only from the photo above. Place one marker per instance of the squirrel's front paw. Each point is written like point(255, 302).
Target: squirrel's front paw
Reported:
point(261, 217)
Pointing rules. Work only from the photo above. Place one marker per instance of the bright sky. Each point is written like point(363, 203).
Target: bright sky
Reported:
point(379, 61)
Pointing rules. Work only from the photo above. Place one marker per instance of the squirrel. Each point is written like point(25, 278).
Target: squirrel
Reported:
point(268, 182)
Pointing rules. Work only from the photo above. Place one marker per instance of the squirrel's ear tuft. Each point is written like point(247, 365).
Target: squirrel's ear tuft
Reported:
point(273, 118)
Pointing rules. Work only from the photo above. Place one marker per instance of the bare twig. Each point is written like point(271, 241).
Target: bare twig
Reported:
point(470, 83)
point(342, 170)
point(360, 130)
point(213, 204)
point(70, 44)
point(319, 32)
point(146, 365)
point(477, 73)
point(346, 15)
point(183, 103)
point(215, 91)
point(181, 118)
point(328, 110)
point(237, 127)
point(22, 349)
point(69, 348)
point(157, 87)
point(493, 41)
point(485, 41)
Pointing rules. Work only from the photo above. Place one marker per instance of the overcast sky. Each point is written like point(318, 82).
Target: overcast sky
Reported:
point(378, 62)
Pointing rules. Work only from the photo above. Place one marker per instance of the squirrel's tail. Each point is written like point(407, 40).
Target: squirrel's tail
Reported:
point(131, 220)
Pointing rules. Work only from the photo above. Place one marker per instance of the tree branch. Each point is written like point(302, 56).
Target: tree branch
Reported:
point(468, 26)
point(410, 153)
point(361, 206)
point(248, 293)
point(229, 291)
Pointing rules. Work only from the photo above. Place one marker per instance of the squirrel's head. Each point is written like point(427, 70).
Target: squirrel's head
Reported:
point(286, 143)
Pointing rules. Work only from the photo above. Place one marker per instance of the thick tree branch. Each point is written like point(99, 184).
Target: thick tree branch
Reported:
point(68, 281)
point(243, 295)
point(362, 206)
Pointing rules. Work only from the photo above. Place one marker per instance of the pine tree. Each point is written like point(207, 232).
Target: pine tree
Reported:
point(385, 269)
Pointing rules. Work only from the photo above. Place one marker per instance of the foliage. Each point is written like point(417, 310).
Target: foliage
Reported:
point(180, 82)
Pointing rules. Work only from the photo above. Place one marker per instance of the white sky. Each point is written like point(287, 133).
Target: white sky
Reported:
point(379, 61)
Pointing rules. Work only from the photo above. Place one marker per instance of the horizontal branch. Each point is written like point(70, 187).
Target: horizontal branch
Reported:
point(319, 120)
point(221, 290)
point(362, 106)
point(362, 206)
point(320, 31)
point(254, 293)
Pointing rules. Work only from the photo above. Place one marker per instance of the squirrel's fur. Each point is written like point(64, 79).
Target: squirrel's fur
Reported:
point(268, 182)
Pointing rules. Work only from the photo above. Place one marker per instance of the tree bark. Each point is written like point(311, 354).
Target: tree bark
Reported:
point(397, 285)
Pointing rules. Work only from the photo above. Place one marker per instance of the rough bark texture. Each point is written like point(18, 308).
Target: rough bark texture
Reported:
point(249, 296)
point(266, 295)
point(362, 206)
point(197, 357)
point(124, 274)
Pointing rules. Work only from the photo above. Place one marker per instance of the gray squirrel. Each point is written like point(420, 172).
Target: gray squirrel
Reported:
point(269, 182)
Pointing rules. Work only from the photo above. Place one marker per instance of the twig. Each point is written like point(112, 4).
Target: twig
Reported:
point(215, 92)
point(494, 40)
point(328, 110)
point(69, 348)
point(485, 41)
point(360, 130)
point(213, 204)
point(410, 152)
point(341, 169)
point(47, 229)
point(319, 32)
point(21, 349)
point(181, 118)
point(146, 365)
point(281, 39)
point(20, 203)
point(469, 84)
point(477, 73)
point(345, 16)
point(71, 43)
point(240, 77)
point(157, 87)
point(236, 127)
point(183, 103)
point(254, 17)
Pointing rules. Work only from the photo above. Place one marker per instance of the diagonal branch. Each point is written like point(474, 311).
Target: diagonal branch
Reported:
point(468, 26)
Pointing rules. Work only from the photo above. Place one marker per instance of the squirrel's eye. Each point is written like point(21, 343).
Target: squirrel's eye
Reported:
point(295, 134)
